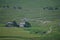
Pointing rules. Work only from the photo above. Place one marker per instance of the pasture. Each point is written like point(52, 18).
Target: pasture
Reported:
point(41, 20)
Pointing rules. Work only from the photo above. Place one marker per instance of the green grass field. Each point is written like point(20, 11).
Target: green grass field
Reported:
point(40, 19)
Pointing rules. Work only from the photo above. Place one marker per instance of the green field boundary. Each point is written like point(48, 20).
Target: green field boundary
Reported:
point(11, 37)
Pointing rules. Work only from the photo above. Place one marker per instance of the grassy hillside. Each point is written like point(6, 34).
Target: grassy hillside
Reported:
point(42, 20)
point(30, 9)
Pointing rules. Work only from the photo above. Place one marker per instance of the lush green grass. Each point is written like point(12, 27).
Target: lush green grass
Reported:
point(32, 9)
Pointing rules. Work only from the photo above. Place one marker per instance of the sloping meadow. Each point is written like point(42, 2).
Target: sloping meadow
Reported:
point(44, 16)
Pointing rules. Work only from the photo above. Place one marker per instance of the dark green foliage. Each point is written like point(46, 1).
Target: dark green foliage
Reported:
point(3, 6)
point(27, 24)
point(7, 6)
point(56, 8)
point(15, 24)
point(45, 8)
point(19, 7)
point(50, 8)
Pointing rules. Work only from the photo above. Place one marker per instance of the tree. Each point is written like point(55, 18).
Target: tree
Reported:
point(14, 23)
point(27, 24)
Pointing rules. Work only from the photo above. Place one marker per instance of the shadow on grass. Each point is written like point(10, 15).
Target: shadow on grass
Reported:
point(13, 38)
point(8, 39)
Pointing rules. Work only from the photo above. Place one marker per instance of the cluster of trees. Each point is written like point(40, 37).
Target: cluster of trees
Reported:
point(7, 6)
point(51, 8)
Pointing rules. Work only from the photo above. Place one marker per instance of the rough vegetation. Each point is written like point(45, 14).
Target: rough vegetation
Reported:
point(44, 16)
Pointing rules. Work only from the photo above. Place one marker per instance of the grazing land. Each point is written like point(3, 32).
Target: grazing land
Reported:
point(45, 22)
